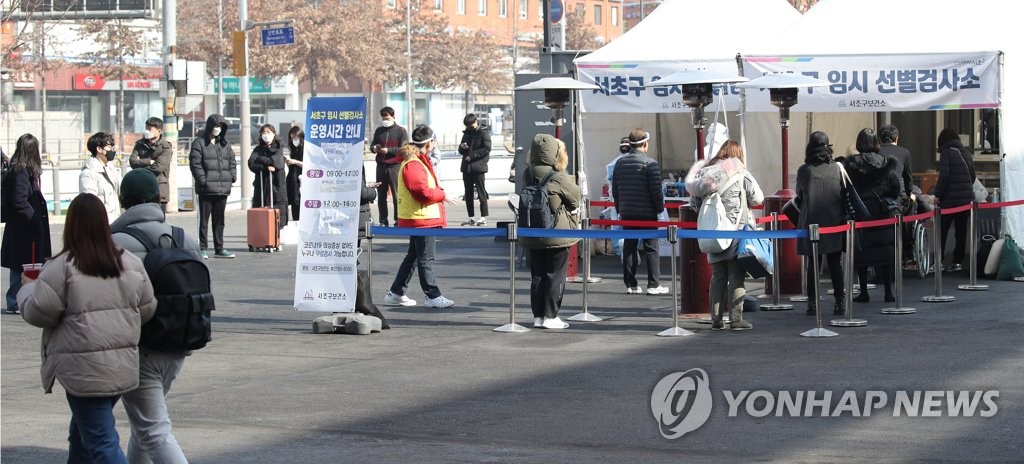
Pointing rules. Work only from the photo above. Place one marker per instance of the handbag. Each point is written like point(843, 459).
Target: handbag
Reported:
point(792, 211)
point(855, 208)
point(754, 255)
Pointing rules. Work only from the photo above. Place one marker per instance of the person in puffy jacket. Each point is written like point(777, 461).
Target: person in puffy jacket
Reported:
point(954, 187)
point(549, 256)
point(267, 162)
point(214, 170)
point(704, 179)
point(636, 191)
point(99, 177)
point(475, 149)
point(91, 301)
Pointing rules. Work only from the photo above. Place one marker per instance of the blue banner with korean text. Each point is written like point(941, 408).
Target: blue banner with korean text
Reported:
point(332, 178)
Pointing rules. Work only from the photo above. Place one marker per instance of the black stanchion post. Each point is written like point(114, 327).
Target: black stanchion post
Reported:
point(776, 305)
point(898, 271)
point(818, 331)
point(938, 297)
point(585, 316)
point(675, 331)
point(512, 234)
point(849, 321)
point(972, 253)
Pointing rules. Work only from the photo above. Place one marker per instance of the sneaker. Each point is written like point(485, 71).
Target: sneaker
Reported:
point(538, 322)
point(555, 324)
point(206, 255)
point(439, 302)
point(634, 290)
point(224, 254)
point(12, 311)
point(659, 290)
point(716, 324)
point(391, 299)
point(955, 268)
point(481, 222)
point(740, 325)
point(468, 222)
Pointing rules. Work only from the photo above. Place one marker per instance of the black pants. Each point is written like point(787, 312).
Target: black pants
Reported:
point(631, 260)
point(835, 272)
point(387, 175)
point(960, 235)
point(212, 205)
point(547, 284)
point(471, 180)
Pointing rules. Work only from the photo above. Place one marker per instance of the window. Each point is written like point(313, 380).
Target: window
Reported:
point(540, 10)
point(597, 15)
point(392, 3)
point(438, 5)
point(615, 16)
point(502, 8)
point(460, 7)
point(481, 7)
point(523, 9)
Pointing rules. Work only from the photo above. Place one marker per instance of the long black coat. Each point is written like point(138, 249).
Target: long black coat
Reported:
point(955, 186)
point(26, 221)
point(262, 157)
point(820, 196)
point(876, 178)
point(212, 161)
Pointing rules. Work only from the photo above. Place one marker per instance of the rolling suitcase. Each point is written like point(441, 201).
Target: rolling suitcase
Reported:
point(263, 224)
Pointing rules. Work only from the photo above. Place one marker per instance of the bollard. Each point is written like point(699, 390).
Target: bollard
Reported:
point(938, 297)
point(585, 316)
point(818, 331)
point(512, 234)
point(776, 305)
point(803, 282)
point(369, 253)
point(849, 321)
point(898, 267)
point(972, 253)
point(675, 331)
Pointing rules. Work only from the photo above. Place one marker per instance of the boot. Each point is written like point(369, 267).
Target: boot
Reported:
point(840, 306)
point(889, 297)
point(737, 320)
point(863, 297)
point(812, 308)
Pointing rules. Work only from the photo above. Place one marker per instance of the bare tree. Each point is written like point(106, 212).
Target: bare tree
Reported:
point(578, 34)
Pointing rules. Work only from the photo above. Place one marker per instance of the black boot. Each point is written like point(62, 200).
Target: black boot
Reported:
point(840, 306)
point(889, 297)
point(812, 308)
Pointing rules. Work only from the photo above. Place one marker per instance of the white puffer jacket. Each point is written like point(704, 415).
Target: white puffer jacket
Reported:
point(91, 325)
point(91, 180)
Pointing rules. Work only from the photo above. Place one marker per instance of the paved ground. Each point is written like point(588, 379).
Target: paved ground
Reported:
point(442, 387)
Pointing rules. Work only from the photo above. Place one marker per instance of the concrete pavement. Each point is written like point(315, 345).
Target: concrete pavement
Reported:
point(442, 387)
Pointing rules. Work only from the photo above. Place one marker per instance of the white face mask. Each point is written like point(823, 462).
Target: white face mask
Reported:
point(216, 131)
point(297, 142)
point(388, 122)
point(267, 137)
point(149, 135)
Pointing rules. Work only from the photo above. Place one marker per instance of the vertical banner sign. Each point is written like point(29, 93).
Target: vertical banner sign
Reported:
point(325, 265)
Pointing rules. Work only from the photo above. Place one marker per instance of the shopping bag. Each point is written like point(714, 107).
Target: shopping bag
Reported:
point(755, 255)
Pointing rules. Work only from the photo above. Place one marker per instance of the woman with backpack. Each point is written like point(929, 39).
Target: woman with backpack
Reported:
point(27, 232)
point(727, 175)
point(91, 301)
point(549, 256)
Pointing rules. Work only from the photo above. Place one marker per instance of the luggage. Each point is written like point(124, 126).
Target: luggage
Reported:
point(263, 226)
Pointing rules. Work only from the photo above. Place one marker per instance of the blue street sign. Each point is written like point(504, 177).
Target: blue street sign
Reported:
point(555, 10)
point(278, 36)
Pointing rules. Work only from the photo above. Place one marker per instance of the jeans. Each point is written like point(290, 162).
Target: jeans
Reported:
point(547, 284)
point(12, 289)
point(387, 175)
point(421, 254)
point(727, 281)
point(151, 440)
point(92, 435)
point(631, 260)
point(212, 205)
point(474, 181)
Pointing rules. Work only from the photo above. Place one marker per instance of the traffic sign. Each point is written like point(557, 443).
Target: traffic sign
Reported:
point(278, 36)
point(556, 9)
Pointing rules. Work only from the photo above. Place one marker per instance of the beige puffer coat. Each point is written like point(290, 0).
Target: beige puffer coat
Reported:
point(91, 326)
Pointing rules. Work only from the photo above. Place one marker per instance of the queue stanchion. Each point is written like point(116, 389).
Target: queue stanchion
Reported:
point(803, 282)
point(369, 253)
point(511, 234)
point(818, 332)
point(776, 304)
point(938, 297)
point(972, 252)
point(898, 271)
point(586, 278)
point(849, 320)
point(675, 331)
point(585, 316)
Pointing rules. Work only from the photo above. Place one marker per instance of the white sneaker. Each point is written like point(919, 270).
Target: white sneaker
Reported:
point(659, 290)
point(538, 322)
point(555, 324)
point(634, 290)
point(439, 302)
point(480, 222)
point(398, 300)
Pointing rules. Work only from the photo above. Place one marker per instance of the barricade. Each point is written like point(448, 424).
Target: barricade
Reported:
point(585, 316)
point(898, 270)
point(972, 252)
point(848, 321)
point(775, 305)
point(818, 332)
point(938, 297)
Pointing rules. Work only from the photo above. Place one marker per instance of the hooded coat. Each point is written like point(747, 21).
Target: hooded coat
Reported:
point(704, 180)
point(563, 193)
point(955, 186)
point(876, 178)
point(212, 161)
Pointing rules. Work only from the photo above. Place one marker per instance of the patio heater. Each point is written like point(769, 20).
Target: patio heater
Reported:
point(557, 94)
point(698, 92)
point(783, 91)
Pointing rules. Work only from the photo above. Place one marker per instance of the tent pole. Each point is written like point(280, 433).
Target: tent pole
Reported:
point(743, 105)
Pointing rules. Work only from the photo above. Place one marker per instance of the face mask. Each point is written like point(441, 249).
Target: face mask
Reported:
point(297, 142)
point(216, 131)
point(267, 137)
point(388, 122)
point(149, 135)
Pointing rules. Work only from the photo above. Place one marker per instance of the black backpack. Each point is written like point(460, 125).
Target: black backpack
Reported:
point(534, 208)
point(181, 283)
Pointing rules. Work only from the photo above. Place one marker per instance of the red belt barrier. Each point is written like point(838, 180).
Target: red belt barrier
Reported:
point(1000, 204)
point(671, 205)
point(876, 223)
point(834, 229)
point(647, 224)
point(918, 217)
point(957, 209)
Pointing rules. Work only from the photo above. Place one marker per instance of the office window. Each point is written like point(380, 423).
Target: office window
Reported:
point(540, 10)
point(523, 9)
point(481, 7)
point(438, 5)
point(502, 8)
point(392, 3)
point(615, 16)
point(597, 15)
point(460, 7)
